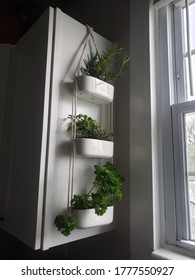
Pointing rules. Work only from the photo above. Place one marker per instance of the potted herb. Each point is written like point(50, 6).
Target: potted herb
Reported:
point(96, 207)
point(97, 74)
point(91, 139)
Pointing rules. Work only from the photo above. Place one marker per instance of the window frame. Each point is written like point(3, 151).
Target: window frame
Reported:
point(167, 51)
point(165, 85)
point(179, 66)
point(181, 195)
point(180, 52)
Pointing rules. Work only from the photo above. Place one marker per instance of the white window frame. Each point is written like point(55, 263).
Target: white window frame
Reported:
point(166, 86)
point(169, 78)
point(178, 30)
point(182, 217)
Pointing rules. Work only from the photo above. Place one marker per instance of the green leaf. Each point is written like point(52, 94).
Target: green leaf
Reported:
point(86, 127)
point(106, 191)
point(81, 202)
point(65, 224)
point(100, 66)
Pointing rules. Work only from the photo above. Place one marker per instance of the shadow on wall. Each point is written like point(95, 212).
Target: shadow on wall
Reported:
point(13, 249)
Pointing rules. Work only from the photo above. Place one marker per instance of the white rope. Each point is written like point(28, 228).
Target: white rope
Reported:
point(74, 114)
point(89, 33)
point(69, 197)
point(73, 148)
point(79, 63)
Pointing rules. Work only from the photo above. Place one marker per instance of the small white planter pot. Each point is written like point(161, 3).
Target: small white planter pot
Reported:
point(87, 218)
point(88, 147)
point(95, 90)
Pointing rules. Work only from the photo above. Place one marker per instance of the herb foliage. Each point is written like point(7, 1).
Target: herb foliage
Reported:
point(100, 66)
point(86, 127)
point(65, 224)
point(106, 191)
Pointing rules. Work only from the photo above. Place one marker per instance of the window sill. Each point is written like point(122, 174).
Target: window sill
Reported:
point(170, 252)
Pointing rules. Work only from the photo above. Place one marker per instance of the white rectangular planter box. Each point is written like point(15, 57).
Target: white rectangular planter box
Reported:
point(87, 218)
point(95, 90)
point(88, 147)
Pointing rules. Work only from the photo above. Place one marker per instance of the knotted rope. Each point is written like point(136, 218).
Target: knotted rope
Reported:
point(74, 114)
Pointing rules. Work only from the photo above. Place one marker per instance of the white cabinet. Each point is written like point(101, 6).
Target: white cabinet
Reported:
point(35, 188)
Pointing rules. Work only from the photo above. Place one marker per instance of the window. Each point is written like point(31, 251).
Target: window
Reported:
point(176, 67)
point(185, 50)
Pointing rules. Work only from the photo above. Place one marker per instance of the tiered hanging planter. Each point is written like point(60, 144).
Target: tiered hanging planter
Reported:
point(96, 207)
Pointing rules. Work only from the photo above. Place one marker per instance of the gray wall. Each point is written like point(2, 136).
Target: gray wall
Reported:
point(115, 26)
point(113, 23)
point(141, 217)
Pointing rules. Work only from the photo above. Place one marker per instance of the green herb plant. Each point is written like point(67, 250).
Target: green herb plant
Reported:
point(100, 65)
point(106, 191)
point(65, 224)
point(86, 127)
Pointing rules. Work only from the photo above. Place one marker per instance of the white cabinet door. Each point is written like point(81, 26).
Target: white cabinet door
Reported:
point(27, 137)
point(68, 46)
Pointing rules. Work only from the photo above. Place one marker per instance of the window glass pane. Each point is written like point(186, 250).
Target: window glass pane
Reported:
point(192, 27)
point(186, 78)
point(184, 31)
point(188, 97)
point(190, 158)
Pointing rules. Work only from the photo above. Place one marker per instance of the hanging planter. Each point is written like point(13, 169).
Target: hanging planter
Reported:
point(87, 218)
point(99, 71)
point(91, 140)
point(94, 148)
point(95, 90)
point(96, 207)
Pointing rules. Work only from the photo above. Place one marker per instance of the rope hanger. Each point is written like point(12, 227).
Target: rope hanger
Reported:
point(74, 113)
point(89, 33)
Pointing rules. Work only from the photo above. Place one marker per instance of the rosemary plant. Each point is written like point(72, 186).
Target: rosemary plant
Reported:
point(100, 66)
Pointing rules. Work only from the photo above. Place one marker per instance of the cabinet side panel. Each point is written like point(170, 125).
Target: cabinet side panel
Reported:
point(26, 184)
point(69, 38)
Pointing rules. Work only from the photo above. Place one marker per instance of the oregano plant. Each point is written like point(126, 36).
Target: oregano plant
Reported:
point(86, 127)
